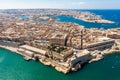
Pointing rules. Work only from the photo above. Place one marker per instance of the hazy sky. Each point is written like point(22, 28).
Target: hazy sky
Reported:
point(61, 4)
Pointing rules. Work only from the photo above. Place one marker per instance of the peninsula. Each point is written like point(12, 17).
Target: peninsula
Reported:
point(65, 46)
point(37, 13)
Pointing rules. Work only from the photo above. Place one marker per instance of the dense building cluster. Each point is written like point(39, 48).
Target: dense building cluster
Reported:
point(63, 45)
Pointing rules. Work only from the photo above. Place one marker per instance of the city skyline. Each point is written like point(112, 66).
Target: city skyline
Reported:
point(61, 4)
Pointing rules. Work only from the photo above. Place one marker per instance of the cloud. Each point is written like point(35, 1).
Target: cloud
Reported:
point(82, 3)
point(78, 3)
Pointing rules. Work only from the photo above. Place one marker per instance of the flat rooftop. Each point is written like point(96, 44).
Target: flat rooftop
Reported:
point(59, 35)
point(37, 50)
point(82, 53)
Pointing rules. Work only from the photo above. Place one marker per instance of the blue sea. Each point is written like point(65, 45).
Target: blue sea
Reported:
point(23, 17)
point(113, 15)
point(14, 67)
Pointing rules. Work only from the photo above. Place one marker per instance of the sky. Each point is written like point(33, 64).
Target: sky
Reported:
point(60, 4)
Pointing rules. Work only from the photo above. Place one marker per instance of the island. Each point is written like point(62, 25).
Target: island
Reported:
point(66, 46)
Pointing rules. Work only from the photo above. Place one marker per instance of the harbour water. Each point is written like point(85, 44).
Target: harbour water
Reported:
point(23, 17)
point(112, 15)
point(14, 67)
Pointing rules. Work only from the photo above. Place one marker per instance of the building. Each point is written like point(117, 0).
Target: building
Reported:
point(59, 38)
point(114, 36)
point(81, 56)
point(26, 52)
point(63, 56)
point(101, 45)
point(31, 51)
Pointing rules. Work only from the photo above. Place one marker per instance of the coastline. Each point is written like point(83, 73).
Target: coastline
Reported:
point(69, 36)
point(43, 60)
point(58, 66)
point(12, 49)
point(15, 50)
point(104, 53)
point(96, 21)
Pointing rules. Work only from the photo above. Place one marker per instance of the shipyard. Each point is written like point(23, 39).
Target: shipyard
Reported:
point(65, 46)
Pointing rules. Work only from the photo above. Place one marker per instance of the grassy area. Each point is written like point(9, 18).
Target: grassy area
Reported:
point(56, 48)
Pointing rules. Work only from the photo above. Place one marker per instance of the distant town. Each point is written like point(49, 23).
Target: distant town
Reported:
point(36, 34)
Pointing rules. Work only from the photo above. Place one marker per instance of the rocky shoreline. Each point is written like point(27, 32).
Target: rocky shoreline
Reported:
point(44, 60)
point(58, 66)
